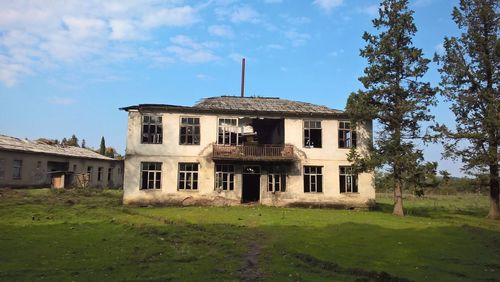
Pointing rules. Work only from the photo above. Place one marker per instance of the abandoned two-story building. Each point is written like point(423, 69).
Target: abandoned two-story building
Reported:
point(230, 150)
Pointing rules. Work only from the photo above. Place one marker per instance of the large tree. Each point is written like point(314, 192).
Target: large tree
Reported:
point(469, 79)
point(102, 147)
point(394, 96)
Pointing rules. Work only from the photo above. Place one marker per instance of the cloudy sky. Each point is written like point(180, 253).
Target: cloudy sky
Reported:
point(67, 66)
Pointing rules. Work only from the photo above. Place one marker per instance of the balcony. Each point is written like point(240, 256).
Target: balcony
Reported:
point(266, 152)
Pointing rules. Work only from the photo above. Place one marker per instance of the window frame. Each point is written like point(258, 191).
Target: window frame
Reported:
point(228, 174)
point(224, 132)
point(348, 142)
point(306, 133)
point(156, 174)
point(309, 176)
point(191, 175)
point(100, 170)
point(157, 124)
point(90, 172)
point(17, 171)
point(193, 129)
point(350, 179)
point(110, 174)
point(276, 180)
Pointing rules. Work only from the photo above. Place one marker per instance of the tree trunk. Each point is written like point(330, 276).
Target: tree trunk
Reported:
point(398, 198)
point(494, 191)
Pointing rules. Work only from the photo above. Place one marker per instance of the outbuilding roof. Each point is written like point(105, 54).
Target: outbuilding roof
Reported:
point(9, 143)
point(246, 105)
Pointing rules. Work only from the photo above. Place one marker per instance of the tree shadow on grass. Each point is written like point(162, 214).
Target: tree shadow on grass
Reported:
point(434, 211)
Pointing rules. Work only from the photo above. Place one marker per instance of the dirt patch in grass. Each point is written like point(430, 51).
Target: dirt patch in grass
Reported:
point(250, 270)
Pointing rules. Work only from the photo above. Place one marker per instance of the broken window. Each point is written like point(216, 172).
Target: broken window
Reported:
point(152, 129)
point(89, 172)
point(150, 175)
point(224, 177)
point(228, 131)
point(2, 168)
point(312, 134)
point(17, 166)
point(189, 131)
point(188, 176)
point(99, 173)
point(313, 179)
point(276, 180)
point(348, 180)
point(347, 137)
point(110, 173)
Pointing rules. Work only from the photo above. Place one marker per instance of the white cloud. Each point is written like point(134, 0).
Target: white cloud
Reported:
point(328, 5)
point(371, 10)
point(61, 100)
point(179, 16)
point(440, 49)
point(125, 30)
point(238, 14)
point(221, 30)
point(297, 38)
point(237, 57)
point(190, 51)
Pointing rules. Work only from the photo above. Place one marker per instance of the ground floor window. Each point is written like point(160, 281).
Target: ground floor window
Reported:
point(224, 177)
point(348, 180)
point(2, 168)
point(89, 172)
point(188, 176)
point(17, 167)
point(276, 180)
point(150, 175)
point(110, 174)
point(313, 179)
point(99, 173)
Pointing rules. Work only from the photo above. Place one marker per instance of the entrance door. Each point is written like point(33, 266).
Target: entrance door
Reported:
point(251, 184)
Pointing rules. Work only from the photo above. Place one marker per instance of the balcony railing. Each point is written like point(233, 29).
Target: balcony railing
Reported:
point(253, 152)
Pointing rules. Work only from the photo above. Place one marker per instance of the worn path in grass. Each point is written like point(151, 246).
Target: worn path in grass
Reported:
point(88, 235)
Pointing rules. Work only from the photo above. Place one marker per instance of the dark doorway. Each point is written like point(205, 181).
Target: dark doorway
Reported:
point(251, 184)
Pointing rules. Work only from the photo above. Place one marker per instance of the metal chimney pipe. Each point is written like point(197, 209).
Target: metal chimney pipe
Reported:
point(243, 77)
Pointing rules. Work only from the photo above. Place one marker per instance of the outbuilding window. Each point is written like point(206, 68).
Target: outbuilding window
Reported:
point(224, 177)
point(312, 134)
point(189, 131)
point(89, 172)
point(347, 137)
point(348, 180)
point(2, 168)
point(313, 179)
point(188, 176)
point(17, 166)
point(99, 173)
point(110, 173)
point(150, 175)
point(152, 129)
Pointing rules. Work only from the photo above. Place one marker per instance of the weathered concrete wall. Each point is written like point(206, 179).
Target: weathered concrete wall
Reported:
point(170, 154)
point(34, 176)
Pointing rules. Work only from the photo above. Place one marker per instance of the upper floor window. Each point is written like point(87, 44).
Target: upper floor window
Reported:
point(348, 180)
point(17, 166)
point(224, 177)
point(312, 134)
point(150, 175)
point(152, 129)
point(189, 131)
point(188, 176)
point(347, 137)
point(276, 180)
point(228, 132)
point(313, 179)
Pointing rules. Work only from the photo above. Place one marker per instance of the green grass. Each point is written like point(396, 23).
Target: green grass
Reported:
point(87, 235)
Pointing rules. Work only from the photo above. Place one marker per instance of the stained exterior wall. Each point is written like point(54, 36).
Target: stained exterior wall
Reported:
point(33, 175)
point(170, 154)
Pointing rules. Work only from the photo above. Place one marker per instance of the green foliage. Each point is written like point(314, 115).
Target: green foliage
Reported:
point(102, 147)
point(470, 80)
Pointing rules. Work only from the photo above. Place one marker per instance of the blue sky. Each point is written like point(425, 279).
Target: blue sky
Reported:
point(67, 66)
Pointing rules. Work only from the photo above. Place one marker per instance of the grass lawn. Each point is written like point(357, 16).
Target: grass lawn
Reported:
point(87, 235)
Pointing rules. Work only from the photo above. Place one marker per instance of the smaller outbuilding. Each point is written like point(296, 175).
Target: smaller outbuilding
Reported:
point(36, 163)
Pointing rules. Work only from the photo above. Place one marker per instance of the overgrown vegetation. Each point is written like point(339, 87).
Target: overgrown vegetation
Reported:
point(88, 235)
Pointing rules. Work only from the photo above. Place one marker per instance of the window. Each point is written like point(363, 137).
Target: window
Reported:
point(150, 175)
point(2, 168)
point(313, 179)
point(17, 167)
point(189, 131)
point(276, 180)
point(312, 134)
point(188, 176)
point(89, 172)
point(99, 173)
point(38, 165)
point(152, 130)
point(348, 180)
point(74, 168)
point(110, 173)
point(224, 177)
point(228, 131)
point(347, 137)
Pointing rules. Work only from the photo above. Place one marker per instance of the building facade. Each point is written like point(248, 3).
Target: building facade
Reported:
point(231, 150)
point(27, 163)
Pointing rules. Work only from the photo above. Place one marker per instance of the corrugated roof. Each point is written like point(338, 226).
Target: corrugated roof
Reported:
point(262, 104)
point(23, 145)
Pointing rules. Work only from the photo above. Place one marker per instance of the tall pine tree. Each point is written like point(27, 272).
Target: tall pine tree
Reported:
point(394, 95)
point(102, 148)
point(470, 76)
